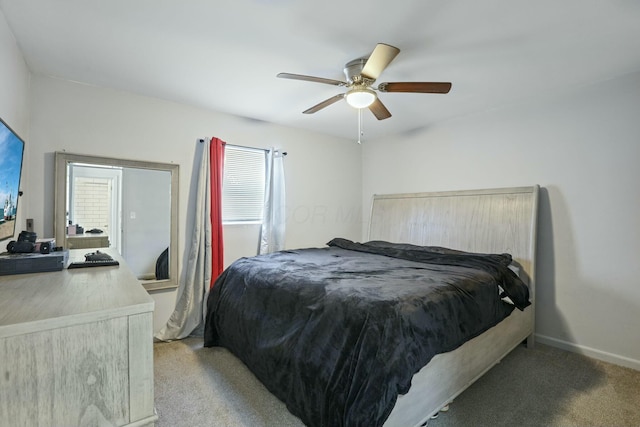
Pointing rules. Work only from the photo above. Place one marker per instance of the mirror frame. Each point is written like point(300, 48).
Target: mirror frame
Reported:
point(62, 160)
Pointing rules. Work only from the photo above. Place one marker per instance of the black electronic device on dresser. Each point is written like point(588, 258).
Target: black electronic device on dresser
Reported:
point(30, 255)
point(28, 242)
point(94, 259)
point(34, 262)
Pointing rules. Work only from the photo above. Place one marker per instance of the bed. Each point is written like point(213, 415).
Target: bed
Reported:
point(340, 333)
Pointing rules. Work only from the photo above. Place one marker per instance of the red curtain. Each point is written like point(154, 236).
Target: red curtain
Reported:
point(216, 157)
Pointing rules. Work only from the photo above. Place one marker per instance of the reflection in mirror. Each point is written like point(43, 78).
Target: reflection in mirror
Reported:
point(130, 206)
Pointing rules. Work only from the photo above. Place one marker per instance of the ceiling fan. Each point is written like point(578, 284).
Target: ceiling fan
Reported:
point(361, 73)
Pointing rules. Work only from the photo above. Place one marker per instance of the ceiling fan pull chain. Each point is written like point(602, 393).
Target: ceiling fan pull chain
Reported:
point(360, 129)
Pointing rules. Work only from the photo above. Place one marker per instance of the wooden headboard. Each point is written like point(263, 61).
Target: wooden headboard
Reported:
point(488, 221)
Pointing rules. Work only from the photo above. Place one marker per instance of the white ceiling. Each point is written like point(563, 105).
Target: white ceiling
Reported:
point(224, 55)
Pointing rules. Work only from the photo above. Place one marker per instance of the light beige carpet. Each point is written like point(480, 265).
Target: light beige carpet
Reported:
point(197, 386)
point(544, 386)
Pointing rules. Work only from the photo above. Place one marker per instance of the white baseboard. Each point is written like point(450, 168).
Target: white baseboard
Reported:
point(590, 352)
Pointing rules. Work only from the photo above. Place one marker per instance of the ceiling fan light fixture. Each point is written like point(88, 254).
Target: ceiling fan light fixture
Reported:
point(360, 97)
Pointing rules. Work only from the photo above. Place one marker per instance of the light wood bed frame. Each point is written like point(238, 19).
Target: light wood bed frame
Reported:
point(488, 221)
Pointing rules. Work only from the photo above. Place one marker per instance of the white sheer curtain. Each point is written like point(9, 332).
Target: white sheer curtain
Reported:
point(272, 233)
point(188, 316)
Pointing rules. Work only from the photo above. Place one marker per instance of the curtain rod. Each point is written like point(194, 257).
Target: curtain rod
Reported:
point(284, 153)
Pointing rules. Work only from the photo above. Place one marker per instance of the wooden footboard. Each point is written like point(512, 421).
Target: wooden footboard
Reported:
point(489, 221)
point(449, 374)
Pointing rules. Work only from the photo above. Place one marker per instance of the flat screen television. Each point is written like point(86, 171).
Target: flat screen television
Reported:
point(11, 154)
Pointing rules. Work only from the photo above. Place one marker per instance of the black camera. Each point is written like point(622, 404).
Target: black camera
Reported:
point(20, 247)
point(27, 236)
point(27, 243)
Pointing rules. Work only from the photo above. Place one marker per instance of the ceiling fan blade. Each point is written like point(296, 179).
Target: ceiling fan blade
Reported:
point(311, 79)
point(379, 110)
point(379, 59)
point(415, 87)
point(324, 104)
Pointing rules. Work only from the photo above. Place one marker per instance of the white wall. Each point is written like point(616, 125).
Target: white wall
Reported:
point(323, 174)
point(14, 104)
point(582, 146)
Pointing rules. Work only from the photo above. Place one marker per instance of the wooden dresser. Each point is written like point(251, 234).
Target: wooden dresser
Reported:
point(76, 348)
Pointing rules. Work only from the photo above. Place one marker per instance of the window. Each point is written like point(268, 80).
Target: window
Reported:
point(243, 186)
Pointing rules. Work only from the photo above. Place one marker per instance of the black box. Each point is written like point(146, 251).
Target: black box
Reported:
point(32, 262)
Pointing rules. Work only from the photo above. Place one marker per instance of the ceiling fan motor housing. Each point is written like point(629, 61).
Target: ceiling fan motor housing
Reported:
point(353, 70)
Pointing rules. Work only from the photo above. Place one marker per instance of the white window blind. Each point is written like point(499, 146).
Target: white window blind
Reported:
point(243, 186)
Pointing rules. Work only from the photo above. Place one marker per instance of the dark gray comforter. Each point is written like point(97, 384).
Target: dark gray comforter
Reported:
point(337, 333)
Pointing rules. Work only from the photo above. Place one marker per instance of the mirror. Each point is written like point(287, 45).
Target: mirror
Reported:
point(128, 205)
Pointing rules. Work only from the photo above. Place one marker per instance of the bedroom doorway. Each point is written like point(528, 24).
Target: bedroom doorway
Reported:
point(94, 200)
